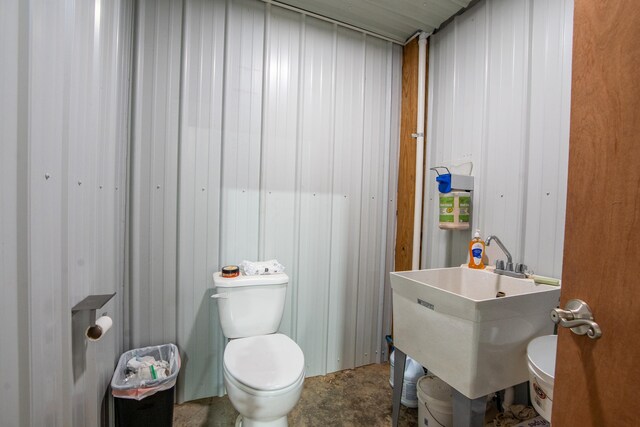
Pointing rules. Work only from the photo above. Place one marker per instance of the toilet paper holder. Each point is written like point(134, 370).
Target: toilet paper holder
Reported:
point(91, 304)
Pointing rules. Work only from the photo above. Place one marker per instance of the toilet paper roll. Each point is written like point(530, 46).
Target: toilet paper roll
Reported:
point(95, 332)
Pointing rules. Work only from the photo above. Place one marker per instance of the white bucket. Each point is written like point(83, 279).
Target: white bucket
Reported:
point(412, 372)
point(435, 408)
point(541, 355)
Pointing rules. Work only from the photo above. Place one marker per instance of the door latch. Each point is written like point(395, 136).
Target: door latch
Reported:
point(578, 317)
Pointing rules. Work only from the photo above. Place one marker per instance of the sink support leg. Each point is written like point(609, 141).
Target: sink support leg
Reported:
point(468, 412)
point(521, 395)
point(400, 360)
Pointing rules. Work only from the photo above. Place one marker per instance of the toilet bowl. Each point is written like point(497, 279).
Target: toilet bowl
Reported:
point(263, 376)
point(541, 355)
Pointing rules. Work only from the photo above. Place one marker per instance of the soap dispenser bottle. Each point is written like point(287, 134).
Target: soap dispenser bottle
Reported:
point(476, 251)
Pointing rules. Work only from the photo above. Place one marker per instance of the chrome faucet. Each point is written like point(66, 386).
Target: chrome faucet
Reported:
point(508, 269)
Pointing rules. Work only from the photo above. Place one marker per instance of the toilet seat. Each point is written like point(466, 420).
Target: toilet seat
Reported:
point(264, 362)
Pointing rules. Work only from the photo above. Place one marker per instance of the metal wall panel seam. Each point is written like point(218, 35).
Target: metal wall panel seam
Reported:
point(482, 192)
point(144, 198)
point(215, 191)
point(156, 169)
point(266, 71)
point(526, 137)
point(393, 188)
point(186, 224)
point(182, 85)
point(298, 179)
point(171, 182)
point(567, 65)
point(218, 86)
point(331, 182)
point(428, 196)
point(202, 123)
point(362, 172)
point(192, 202)
point(372, 302)
point(23, 215)
point(223, 96)
point(369, 238)
point(150, 297)
point(380, 194)
point(129, 289)
point(66, 388)
point(125, 70)
point(383, 202)
point(212, 191)
point(179, 195)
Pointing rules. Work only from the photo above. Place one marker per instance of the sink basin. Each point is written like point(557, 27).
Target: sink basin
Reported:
point(451, 322)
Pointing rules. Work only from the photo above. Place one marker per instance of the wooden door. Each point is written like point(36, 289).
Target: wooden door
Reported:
point(597, 382)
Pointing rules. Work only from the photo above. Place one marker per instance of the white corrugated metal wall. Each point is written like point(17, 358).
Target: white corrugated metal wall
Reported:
point(499, 95)
point(64, 85)
point(261, 133)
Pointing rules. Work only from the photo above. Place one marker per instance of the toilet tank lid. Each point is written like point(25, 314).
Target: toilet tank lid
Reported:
point(242, 280)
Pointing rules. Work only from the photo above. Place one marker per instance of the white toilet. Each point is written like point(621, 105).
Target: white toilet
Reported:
point(263, 371)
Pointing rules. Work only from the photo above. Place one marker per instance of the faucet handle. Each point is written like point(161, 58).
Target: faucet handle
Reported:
point(509, 266)
point(500, 264)
point(521, 268)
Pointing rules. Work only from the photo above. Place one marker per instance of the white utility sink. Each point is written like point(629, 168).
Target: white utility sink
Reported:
point(451, 322)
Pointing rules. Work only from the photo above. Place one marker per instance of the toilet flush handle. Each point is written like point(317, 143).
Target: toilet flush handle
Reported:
point(578, 317)
point(217, 296)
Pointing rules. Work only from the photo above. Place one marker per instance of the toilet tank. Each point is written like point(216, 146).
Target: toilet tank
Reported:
point(250, 305)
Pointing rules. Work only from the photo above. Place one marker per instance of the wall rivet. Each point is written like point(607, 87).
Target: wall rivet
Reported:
point(548, 194)
point(502, 195)
point(79, 182)
point(157, 187)
point(101, 187)
point(202, 189)
point(47, 175)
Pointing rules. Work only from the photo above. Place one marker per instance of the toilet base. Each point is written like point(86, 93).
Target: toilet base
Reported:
point(242, 421)
point(262, 408)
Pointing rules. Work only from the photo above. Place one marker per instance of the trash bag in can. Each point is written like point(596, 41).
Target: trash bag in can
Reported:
point(143, 385)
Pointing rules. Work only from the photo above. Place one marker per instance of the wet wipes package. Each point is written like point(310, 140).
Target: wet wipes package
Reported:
point(271, 266)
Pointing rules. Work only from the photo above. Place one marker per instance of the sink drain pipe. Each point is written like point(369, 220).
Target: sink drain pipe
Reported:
point(419, 136)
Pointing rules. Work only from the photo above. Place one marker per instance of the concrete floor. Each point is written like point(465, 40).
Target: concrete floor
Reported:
point(356, 397)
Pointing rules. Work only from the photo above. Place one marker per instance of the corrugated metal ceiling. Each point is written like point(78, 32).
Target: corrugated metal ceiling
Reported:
point(394, 19)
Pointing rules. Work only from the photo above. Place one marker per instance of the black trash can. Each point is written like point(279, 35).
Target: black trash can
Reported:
point(155, 410)
point(144, 395)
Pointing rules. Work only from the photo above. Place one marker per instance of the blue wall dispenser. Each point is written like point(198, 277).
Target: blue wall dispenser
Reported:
point(456, 195)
